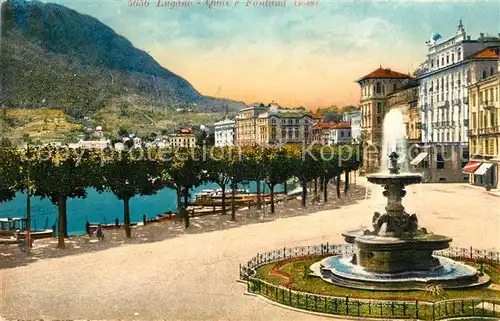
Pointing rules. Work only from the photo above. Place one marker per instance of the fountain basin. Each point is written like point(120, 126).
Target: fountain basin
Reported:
point(386, 254)
point(340, 271)
point(400, 178)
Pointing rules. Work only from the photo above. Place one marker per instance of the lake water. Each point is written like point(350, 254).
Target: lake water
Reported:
point(101, 208)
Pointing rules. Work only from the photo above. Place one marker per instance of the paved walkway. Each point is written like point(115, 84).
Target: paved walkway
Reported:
point(192, 277)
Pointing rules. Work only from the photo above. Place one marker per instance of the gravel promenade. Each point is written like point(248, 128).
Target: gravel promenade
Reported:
point(192, 276)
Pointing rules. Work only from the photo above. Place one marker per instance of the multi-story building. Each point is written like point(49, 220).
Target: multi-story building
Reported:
point(340, 134)
point(181, 140)
point(321, 132)
point(246, 124)
point(451, 66)
point(354, 118)
point(224, 132)
point(375, 87)
point(284, 126)
point(448, 69)
point(406, 100)
point(484, 124)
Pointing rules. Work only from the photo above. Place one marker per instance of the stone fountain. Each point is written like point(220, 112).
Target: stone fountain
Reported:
point(396, 253)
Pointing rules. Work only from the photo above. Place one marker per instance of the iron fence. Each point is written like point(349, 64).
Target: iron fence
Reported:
point(367, 308)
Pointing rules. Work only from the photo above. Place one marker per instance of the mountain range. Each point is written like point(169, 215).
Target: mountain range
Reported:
point(52, 56)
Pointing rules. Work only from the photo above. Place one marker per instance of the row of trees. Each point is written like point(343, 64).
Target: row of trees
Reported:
point(62, 173)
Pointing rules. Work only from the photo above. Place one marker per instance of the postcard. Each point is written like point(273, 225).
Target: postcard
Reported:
point(249, 160)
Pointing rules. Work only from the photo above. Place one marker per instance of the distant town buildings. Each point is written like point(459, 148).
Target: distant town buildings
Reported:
point(354, 119)
point(340, 134)
point(246, 124)
point(184, 138)
point(321, 132)
point(271, 125)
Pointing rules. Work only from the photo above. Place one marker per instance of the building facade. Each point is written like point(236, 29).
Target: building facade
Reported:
point(179, 140)
point(484, 125)
point(443, 98)
point(340, 134)
point(224, 132)
point(321, 132)
point(375, 88)
point(406, 100)
point(451, 66)
point(284, 126)
point(354, 119)
point(246, 124)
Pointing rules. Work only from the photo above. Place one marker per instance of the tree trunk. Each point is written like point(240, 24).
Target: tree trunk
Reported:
point(65, 217)
point(315, 186)
point(233, 205)
point(179, 199)
point(325, 190)
point(285, 188)
point(346, 185)
point(223, 187)
point(338, 185)
point(126, 217)
point(259, 201)
point(321, 184)
point(185, 207)
point(28, 221)
point(60, 212)
point(304, 193)
point(271, 189)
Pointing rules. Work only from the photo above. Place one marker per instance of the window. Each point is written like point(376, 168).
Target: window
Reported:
point(439, 161)
point(425, 163)
point(452, 57)
point(491, 71)
point(395, 86)
point(432, 63)
point(378, 88)
point(447, 59)
point(484, 74)
point(442, 61)
point(379, 108)
point(458, 53)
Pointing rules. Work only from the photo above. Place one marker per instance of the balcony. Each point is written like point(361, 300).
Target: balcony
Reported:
point(488, 105)
point(472, 132)
point(489, 130)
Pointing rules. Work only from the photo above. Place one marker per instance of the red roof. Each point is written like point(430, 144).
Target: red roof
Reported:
point(385, 73)
point(486, 53)
point(325, 125)
point(342, 125)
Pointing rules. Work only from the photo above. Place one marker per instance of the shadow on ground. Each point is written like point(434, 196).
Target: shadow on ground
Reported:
point(12, 256)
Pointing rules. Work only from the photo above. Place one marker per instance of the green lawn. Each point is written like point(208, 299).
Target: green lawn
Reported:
point(301, 282)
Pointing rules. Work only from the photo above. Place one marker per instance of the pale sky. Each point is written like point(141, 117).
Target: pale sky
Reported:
point(293, 56)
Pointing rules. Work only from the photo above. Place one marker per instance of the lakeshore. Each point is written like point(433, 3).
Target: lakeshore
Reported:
point(155, 276)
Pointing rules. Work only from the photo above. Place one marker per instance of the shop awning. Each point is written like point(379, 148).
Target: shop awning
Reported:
point(420, 157)
point(471, 167)
point(483, 169)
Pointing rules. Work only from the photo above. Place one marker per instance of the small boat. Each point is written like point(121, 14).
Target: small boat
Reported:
point(39, 234)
